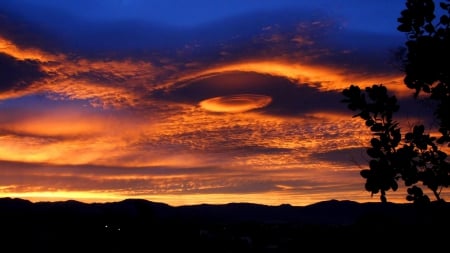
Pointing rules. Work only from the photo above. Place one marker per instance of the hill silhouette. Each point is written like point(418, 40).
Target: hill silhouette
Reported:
point(136, 225)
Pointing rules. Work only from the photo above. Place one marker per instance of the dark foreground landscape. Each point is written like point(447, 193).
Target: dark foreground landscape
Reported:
point(136, 225)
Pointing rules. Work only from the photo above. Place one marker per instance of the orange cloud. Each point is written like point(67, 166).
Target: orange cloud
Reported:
point(325, 78)
point(235, 103)
point(103, 82)
point(10, 48)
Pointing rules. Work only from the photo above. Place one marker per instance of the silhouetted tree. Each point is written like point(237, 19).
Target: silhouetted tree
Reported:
point(414, 158)
point(427, 61)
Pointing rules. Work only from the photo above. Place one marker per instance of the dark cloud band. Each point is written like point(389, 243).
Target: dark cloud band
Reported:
point(17, 74)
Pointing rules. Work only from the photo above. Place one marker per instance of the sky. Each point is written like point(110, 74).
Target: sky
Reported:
point(191, 102)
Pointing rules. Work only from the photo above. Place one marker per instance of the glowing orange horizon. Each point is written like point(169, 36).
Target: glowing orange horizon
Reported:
point(272, 199)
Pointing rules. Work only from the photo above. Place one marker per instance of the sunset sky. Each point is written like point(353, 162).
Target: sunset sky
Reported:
point(189, 102)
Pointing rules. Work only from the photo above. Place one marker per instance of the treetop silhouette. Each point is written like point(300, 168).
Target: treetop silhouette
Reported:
point(414, 157)
point(427, 61)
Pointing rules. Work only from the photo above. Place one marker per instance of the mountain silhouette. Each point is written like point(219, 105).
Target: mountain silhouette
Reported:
point(136, 225)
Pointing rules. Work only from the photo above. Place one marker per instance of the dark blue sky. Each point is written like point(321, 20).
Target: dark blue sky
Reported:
point(142, 20)
point(368, 15)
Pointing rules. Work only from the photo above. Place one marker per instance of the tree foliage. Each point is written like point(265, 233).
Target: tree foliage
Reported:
point(427, 61)
point(415, 157)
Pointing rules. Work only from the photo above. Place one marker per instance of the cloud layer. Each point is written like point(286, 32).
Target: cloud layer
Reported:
point(244, 108)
